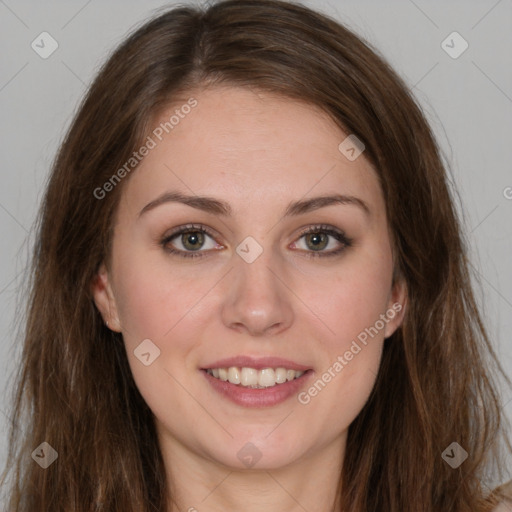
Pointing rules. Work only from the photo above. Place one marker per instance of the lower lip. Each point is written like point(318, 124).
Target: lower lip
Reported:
point(265, 397)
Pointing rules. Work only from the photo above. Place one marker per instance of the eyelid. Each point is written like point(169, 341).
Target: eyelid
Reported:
point(190, 227)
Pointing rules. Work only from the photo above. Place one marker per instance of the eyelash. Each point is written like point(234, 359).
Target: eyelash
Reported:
point(193, 228)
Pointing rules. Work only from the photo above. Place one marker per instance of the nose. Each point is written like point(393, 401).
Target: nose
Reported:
point(257, 301)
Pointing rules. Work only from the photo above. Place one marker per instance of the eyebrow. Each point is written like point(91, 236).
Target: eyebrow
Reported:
point(217, 207)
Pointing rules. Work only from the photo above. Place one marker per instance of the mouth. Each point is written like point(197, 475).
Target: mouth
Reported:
point(252, 378)
point(256, 381)
point(256, 388)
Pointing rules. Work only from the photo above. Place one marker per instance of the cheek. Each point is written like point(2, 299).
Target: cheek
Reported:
point(352, 298)
point(341, 389)
point(353, 305)
point(352, 353)
point(152, 297)
point(161, 304)
point(142, 311)
point(157, 306)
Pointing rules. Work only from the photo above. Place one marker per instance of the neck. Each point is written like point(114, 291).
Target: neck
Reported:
point(198, 483)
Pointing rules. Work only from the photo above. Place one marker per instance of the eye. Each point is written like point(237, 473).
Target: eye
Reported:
point(189, 241)
point(319, 238)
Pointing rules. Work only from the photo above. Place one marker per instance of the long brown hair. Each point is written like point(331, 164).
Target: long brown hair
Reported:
point(74, 387)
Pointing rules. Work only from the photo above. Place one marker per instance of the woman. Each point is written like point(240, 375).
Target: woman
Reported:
point(250, 286)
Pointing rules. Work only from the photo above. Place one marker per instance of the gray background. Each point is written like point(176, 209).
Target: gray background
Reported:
point(468, 101)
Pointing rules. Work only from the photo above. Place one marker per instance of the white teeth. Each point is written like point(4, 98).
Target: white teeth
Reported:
point(281, 375)
point(266, 377)
point(234, 375)
point(250, 377)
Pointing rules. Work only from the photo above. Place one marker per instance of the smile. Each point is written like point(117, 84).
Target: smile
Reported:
point(249, 393)
point(255, 379)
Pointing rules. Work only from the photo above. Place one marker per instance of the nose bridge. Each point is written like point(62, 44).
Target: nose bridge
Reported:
point(256, 299)
point(257, 274)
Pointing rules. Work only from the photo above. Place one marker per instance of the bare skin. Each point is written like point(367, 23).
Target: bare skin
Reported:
point(258, 153)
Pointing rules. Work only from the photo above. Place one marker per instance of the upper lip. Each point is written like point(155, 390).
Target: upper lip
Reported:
point(258, 363)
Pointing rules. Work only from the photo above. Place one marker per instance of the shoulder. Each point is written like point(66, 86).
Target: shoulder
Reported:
point(505, 491)
point(505, 506)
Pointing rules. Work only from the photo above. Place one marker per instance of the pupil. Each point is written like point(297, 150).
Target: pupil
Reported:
point(192, 239)
point(317, 239)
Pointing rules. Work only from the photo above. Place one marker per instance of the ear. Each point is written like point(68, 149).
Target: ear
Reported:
point(105, 300)
point(397, 304)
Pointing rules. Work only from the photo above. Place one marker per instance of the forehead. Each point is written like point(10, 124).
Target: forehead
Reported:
point(245, 145)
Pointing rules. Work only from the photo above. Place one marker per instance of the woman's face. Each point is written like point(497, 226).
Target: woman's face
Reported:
point(278, 272)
